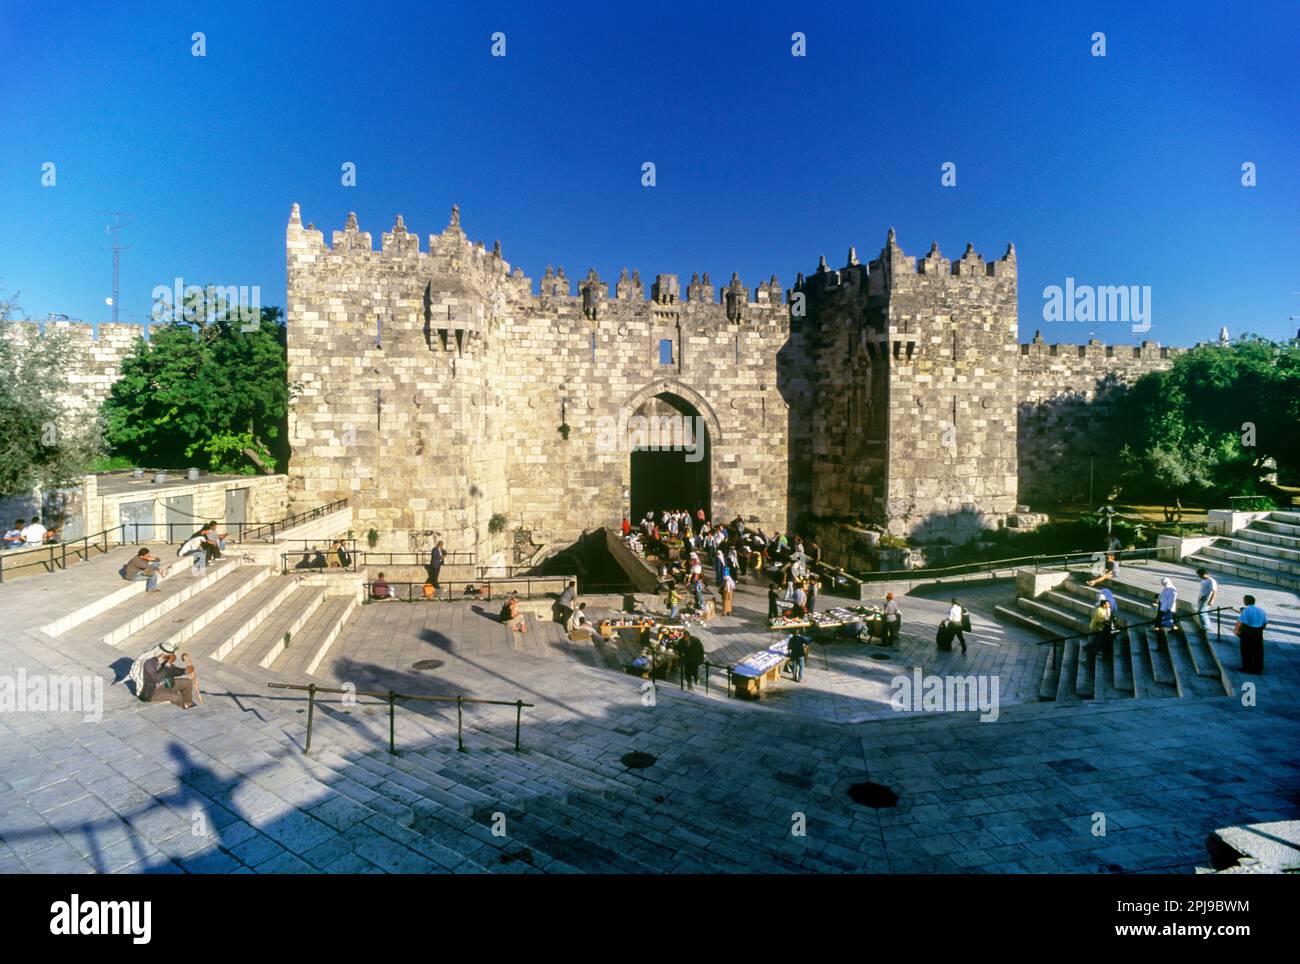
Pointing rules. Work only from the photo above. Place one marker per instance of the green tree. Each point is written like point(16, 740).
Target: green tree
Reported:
point(1214, 423)
point(209, 394)
point(42, 442)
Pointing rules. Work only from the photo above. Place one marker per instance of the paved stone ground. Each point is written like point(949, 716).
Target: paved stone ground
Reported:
point(226, 788)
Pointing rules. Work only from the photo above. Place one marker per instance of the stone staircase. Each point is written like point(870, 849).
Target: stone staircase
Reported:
point(1267, 551)
point(1185, 663)
point(237, 612)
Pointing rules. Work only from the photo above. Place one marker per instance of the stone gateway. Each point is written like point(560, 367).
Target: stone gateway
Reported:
point(437, 390)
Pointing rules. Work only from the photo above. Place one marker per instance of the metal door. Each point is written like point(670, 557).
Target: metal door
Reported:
point(137, 517)
point(180, 518)
point(236, 512)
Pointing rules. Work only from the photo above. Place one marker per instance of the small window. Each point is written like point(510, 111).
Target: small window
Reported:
point(666, 351)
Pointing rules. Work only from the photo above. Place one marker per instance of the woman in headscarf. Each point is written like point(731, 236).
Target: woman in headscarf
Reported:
point(1165, 604)
point(158, 679)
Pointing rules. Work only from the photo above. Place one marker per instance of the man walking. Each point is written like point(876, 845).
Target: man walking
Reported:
point(957, 618)
point(437, 556)
point(1250, 631)
point(798, 651)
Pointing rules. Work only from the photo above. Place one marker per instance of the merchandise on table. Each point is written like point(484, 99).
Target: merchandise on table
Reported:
point(789, 622)
point(757, 664)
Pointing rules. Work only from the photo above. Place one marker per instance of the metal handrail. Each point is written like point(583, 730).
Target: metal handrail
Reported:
point(289, 522)
point(1217, 611)
point(446, 594)
point(322, 546)
point(416, 558)
point(244, 531)
point(46, 555)
point(392, 697)
point(890, 575)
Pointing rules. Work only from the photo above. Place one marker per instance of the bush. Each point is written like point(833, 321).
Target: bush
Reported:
point(497, 524)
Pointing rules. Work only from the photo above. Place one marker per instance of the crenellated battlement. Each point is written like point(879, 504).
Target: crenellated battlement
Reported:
point(1096, 350)
point(453, 252)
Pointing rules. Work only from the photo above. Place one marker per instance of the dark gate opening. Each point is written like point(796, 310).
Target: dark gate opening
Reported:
point(667, 479)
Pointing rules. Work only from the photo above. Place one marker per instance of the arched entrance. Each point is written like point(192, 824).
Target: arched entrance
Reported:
point(671, 432)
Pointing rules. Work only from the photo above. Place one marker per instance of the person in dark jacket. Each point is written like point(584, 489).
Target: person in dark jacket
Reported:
point(772, 591)
point(437, 556)
point(692, 660)
point(798, 652)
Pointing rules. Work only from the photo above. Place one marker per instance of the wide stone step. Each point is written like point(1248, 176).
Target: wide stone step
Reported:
point(1069, 623)
point(308, 649)
point(1051, 678)
point(1065, 692)
point(266, 642)
point(1085, 672)
point(1144, 684)
point(1259, 537)
point(1276, 527)
point(1183, 669)
point(1122, 665)
point(1227, 657)
point(187, 621)
point(228, 628)
point(1018, 617)
point(1071, 602)
point(1272, 577)
point(1103, 678)
point(1285, 517)
point(1198, 651)
point(1231, 550)
point(140, 609)
point(1162, 667)
point(121, 600)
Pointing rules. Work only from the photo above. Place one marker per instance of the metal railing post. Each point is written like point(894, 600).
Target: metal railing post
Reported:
point(519, 713)
point(311, 711)
point(1218, 625)
point(392, 712)
point(460, 724)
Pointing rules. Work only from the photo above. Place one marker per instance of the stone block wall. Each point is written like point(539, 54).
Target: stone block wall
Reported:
point(94, 363)
point(1066, 402)
point(432, 388)
point(440, 389)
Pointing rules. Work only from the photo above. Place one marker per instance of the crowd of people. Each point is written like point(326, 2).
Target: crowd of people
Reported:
point(735, 551)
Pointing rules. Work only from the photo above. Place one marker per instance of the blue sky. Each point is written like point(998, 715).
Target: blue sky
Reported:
point(1117, 170)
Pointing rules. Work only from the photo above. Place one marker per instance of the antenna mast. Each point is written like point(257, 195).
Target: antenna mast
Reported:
point(120, 220)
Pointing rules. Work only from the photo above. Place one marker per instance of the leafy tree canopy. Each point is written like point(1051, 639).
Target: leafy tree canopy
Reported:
point(1214, 424)
point(209, 394)
point(42, 442)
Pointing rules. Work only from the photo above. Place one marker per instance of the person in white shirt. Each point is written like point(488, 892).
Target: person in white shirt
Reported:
point(1208, 592)
point(34, 534)
point(955, 614)
point(1165, 604)
point(193, 547)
